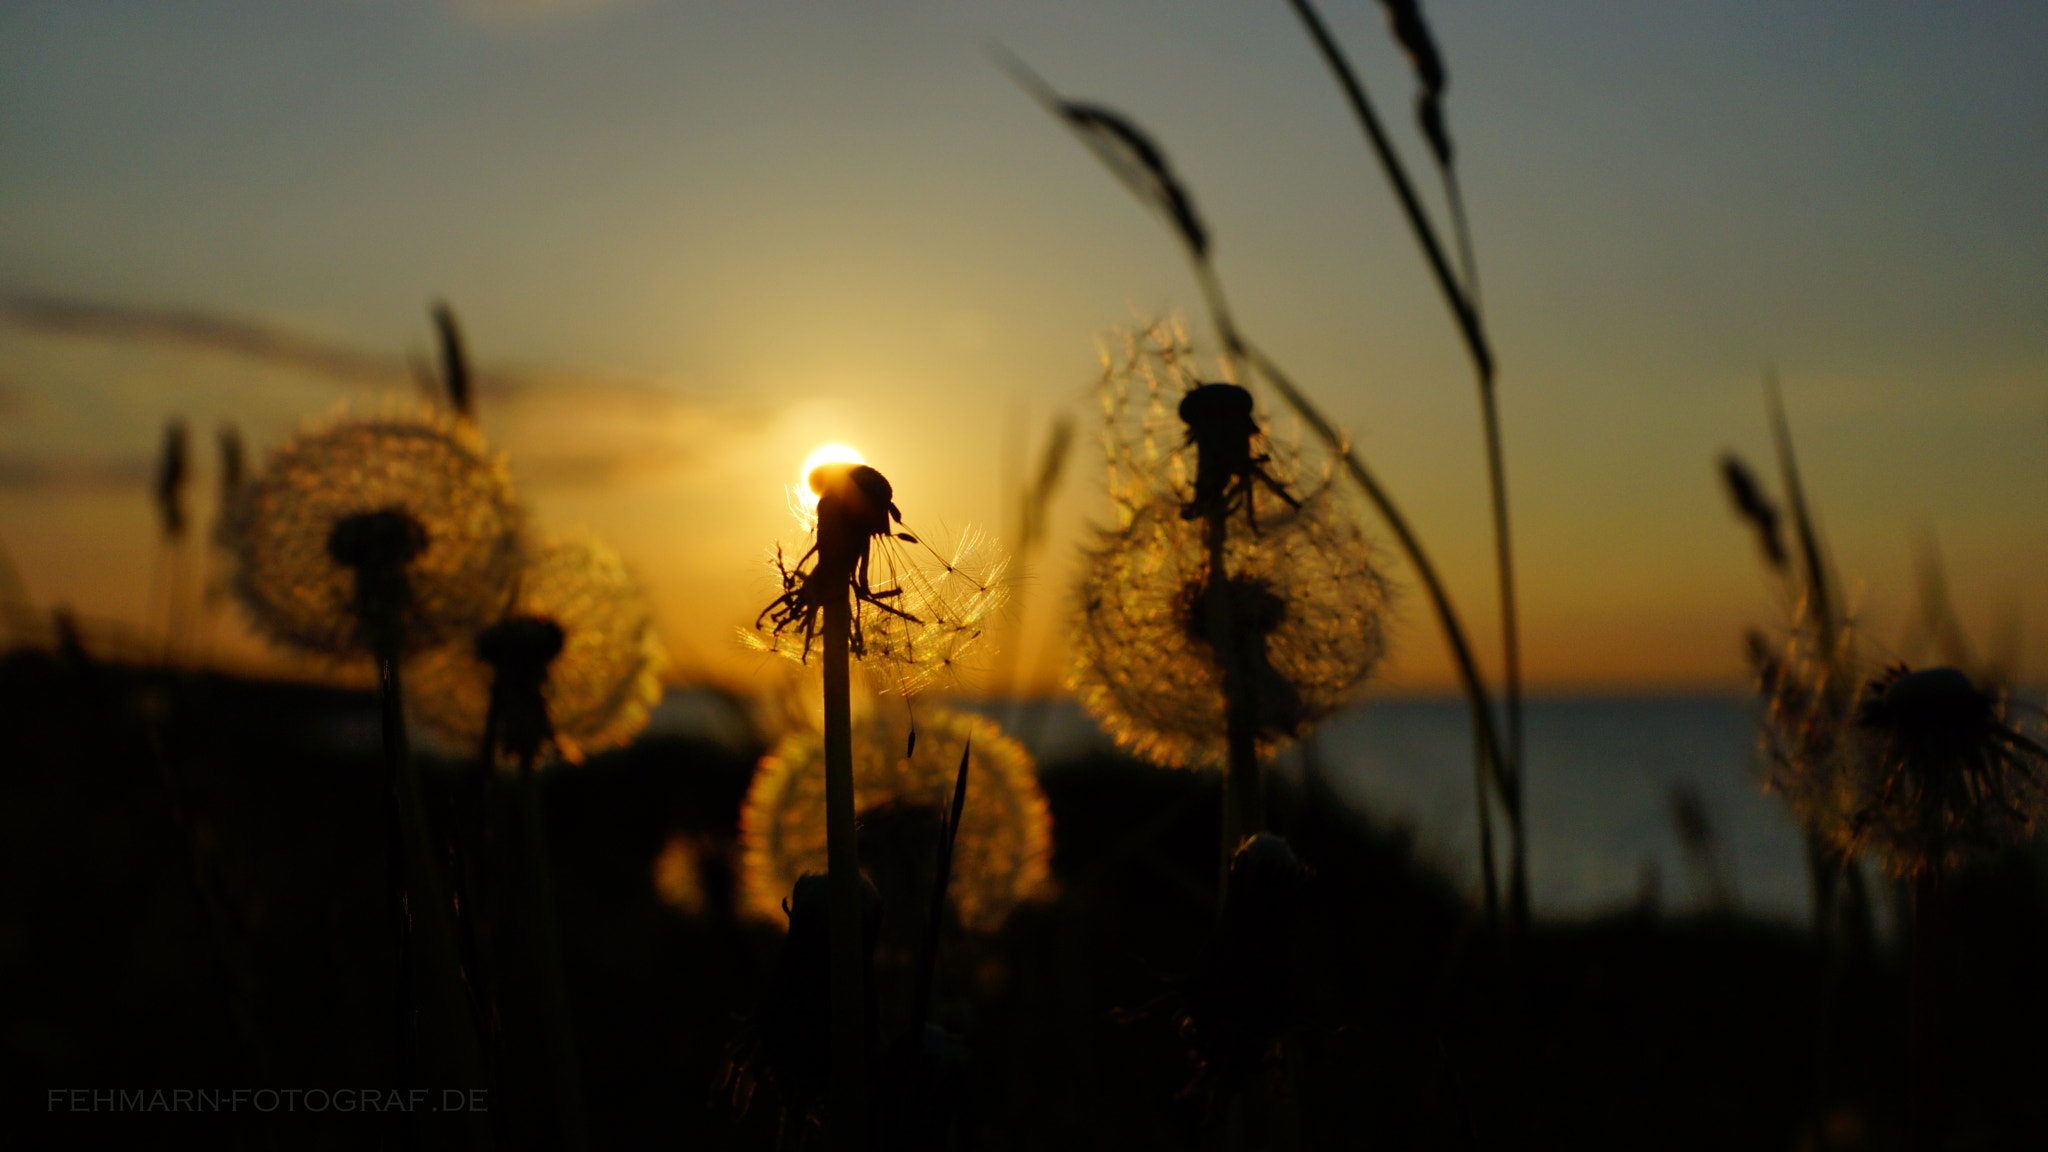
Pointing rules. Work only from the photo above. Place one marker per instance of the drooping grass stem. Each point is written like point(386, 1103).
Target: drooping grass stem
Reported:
point(1487, 749)
point(848, 1084)
point(1462, 300)
point(1142, 166)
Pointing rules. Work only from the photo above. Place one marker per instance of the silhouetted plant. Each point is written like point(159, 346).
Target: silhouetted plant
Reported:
point(1140, 163)
point(1243, 1008)
point(1233, 605)
point(918, 615)
point(372, 535)
point(380, 537)
point(917, 622)
point(573, 667)
point(593, 692)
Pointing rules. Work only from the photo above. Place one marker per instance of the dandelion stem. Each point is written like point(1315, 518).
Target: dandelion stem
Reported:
point(848, 1091)
point(561, 1031)
point(1926, 1088)
point(1243, 813)
point(434, 1000)
point(1487, 750)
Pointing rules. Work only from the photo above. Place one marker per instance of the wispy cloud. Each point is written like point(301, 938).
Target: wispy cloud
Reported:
point(28, 474)
point(564, 427)
point(96, 320)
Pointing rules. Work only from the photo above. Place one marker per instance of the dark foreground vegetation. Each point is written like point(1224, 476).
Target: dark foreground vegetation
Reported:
point(194, 878)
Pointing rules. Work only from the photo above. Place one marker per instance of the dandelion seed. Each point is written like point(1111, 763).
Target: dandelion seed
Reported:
point(595, 681)
point(1306, 602)
point(400, 523)
point(919, 613)
point(1003, 852)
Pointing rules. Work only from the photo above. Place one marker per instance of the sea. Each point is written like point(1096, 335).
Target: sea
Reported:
point(1603, 780)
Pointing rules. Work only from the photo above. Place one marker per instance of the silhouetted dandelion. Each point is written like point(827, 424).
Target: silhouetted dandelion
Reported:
point(1934, 774)
point(1925, 775)
point(593, 690)
point(379, 537)
point(919, 614)
point(858, 595)
point(399, 523)
point(1002, 855)
point(1307, 599)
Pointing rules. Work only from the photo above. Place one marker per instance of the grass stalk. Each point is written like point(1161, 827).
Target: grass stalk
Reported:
point(848, 1104)
point(1487, 751)
point(1138, 162)
point(1464, 310)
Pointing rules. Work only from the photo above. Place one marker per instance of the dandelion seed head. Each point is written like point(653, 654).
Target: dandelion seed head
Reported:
point(920, 613)
point(1935, 773)
point(1003, 852)
point(372, 474)
point(1306, 598)
point(601, 682)
point(1917, 769)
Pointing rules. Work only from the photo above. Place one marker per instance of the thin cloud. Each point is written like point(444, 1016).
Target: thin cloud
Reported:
point(565, 427)
point(27, 474)
point(93, 320)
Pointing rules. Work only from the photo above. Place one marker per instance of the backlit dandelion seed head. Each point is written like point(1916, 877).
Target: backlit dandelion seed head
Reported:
point(1306, 590)
point(946, 600)
point(1001, 858)
point(419, 467)
point(1927, 773)
point(601, 685)
point(1809, 694)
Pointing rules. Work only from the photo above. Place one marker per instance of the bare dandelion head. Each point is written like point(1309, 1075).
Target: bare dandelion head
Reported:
point(1003, 851)
point(398, 531)
point(919, 613)
point(596, 684)
point(1305, 603)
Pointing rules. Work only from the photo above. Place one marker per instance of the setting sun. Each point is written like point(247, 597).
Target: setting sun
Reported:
point(829, 454)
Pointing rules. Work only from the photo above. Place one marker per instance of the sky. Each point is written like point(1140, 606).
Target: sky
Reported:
point(690, 242)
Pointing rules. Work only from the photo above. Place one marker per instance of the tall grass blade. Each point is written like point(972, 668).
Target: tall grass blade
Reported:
point(1421, 47)
point(1822, 601)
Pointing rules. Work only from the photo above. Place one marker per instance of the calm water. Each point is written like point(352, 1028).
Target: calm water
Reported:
point(1601, 777)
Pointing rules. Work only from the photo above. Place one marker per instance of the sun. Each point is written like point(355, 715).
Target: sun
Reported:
point(829, 454)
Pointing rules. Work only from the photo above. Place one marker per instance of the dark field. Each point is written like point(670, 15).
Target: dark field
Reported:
point(193, 898)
